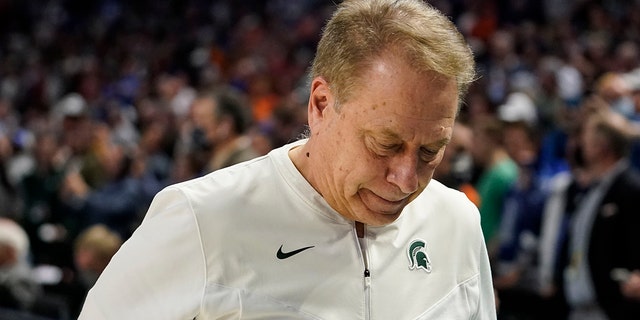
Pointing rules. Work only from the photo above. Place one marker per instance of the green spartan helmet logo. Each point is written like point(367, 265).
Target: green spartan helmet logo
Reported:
point(418, 258)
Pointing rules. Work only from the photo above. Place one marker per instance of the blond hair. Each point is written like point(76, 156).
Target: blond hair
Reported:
point(362, 30)
point(100, 240)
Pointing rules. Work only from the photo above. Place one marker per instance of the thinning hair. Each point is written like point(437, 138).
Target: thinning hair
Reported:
point(616, 140)
point(362, 30)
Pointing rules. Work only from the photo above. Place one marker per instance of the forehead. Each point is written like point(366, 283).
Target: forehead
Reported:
point(393, 99)
point(430, 136)
point(203, 107)
point(419, 131)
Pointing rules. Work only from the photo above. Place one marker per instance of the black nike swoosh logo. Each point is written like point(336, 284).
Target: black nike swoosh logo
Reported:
point(284, 255)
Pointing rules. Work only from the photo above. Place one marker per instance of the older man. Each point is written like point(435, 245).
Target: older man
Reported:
point(346, 224)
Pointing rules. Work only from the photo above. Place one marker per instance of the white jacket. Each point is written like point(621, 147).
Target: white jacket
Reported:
point(208, 249)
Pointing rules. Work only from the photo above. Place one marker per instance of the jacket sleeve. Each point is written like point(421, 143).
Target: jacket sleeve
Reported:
point(158, 273)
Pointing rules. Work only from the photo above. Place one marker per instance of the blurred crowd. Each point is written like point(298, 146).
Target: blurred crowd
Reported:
point(104, 103)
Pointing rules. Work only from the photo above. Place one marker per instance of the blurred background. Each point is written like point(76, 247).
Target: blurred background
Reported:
point(103, 103)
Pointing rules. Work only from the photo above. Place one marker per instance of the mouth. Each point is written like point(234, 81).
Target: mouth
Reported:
point(382, 205)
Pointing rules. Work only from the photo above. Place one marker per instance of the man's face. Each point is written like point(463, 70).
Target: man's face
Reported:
point(205, 120)
point(382, 146)
point(591, 142)
point(518, 145)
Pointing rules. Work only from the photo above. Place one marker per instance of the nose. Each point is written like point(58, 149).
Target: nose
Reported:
point(403, 172)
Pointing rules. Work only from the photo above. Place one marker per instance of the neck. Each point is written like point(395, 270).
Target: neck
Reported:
point(602, 167)
point(301, 157)
point(497, 156)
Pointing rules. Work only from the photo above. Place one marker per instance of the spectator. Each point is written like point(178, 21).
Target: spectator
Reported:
point(175, 91)
point(92, 251)
point(116, 202)
point(498, 173)
point(616, 93)
point(18, 290)
point(603, 232)
point(456, 168)
point(516, 263)
point(566, 191)
point(220, 124)
point(46, 223)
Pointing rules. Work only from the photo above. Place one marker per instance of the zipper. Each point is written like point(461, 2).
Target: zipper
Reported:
point(366, 274)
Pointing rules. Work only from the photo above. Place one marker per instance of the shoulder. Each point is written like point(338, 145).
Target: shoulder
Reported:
point(232, 178)
point(441, 203)
point(560, 182)
point(498, 176)
point(631, 176)
point(507, 169)
point(626, 183)
point(220, 188)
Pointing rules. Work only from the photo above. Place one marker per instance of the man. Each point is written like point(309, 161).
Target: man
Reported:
point(515, 267)
point(603, 234)
point(344, 225)
point(92, 250)
point(220, 125)
point(456, 167)
point(498, 173)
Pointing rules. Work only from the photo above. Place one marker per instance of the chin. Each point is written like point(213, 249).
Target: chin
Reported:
point(373, 210)
point(377, 219)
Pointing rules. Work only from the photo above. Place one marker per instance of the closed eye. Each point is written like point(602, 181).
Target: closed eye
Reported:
point(381, 149)
point(386, 149)
point(389, 147)
point(427, 155)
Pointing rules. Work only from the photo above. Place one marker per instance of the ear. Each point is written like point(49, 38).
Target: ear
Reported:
point(320, 100)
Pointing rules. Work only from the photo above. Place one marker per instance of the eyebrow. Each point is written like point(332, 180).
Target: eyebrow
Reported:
point(388, 134)
point(442, 142)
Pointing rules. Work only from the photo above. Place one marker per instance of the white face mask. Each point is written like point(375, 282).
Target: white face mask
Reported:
point(623, 106)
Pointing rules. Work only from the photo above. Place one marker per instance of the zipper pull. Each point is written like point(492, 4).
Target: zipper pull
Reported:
point(367, 274)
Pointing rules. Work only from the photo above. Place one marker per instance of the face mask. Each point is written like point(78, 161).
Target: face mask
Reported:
point(623, 106)
point(199, 139)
